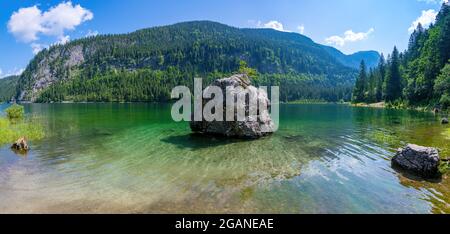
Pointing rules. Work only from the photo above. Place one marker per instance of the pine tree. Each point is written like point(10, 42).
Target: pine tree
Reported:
point(442, 86)
point(393, 82)
point(381, 74)
point(360, 86)
point(415, 42)
point(443, 21)
point(371, 87)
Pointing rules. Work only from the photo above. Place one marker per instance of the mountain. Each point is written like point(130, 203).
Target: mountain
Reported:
point(8, 87)
point(371, 58)
point(146, 64)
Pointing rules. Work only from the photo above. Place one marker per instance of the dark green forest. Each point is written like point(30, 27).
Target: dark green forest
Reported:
point(151, 85)
point(7, 87)
point(145, 65)
point(418, 77)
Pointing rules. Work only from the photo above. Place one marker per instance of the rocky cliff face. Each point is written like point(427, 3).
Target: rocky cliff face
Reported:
point(51, 68)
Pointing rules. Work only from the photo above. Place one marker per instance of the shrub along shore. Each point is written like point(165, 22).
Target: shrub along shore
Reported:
point(14, 125)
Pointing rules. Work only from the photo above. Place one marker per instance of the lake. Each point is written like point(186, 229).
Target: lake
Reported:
point(132, 158)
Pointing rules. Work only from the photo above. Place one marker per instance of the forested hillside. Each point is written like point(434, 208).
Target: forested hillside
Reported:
point(8, 87)
point(145, 65)
point(420, 76)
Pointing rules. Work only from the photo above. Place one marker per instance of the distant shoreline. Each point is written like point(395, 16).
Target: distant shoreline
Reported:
point(379, 105)
point(383, 105)
point(373, 105)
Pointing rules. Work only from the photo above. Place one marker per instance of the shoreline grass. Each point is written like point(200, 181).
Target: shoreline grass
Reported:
point(11, 131)
point(14, 125)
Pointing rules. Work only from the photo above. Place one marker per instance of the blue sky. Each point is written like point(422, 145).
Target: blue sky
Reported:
point(26, 26)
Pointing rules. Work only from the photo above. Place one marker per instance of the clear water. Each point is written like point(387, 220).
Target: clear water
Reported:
point(132, 158)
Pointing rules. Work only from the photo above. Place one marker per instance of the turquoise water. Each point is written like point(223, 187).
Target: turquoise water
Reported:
point(132, 158)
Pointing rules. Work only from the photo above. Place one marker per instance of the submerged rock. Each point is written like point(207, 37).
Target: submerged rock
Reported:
point(20, 145)
point(251, 127)
point(444, 121)
point(422, 161)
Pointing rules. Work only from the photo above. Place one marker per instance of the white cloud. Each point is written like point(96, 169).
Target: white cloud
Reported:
point(15, 71)
point(65, 16)
point(91, 33)
point(349, 36)
point(335, 40)
point(18, 72)
point(352, 36)
point(425, 19)
point(301, 29)
point(434, 1)
point(27, 24)
point(63, 40)
point(36, 47)
point(273, 24)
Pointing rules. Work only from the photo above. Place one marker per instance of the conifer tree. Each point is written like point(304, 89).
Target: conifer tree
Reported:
point(360, 86)
point(393, 83)
point(380, 79)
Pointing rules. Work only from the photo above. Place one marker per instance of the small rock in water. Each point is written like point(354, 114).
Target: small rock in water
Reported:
point(423, 161)
point(20, 145)
point(250, 127)
point(396, 122)
point(444, 121)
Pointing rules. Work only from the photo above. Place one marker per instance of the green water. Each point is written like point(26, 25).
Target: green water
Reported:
point(132, 158)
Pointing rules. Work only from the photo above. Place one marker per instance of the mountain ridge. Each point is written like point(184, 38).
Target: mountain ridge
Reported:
point(370, 57)
point(192, 48)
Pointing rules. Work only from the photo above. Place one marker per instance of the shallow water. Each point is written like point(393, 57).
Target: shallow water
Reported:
point(132, 158)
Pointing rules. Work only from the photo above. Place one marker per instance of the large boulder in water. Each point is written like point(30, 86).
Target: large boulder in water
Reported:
point(251, 127)
point(422, 161)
